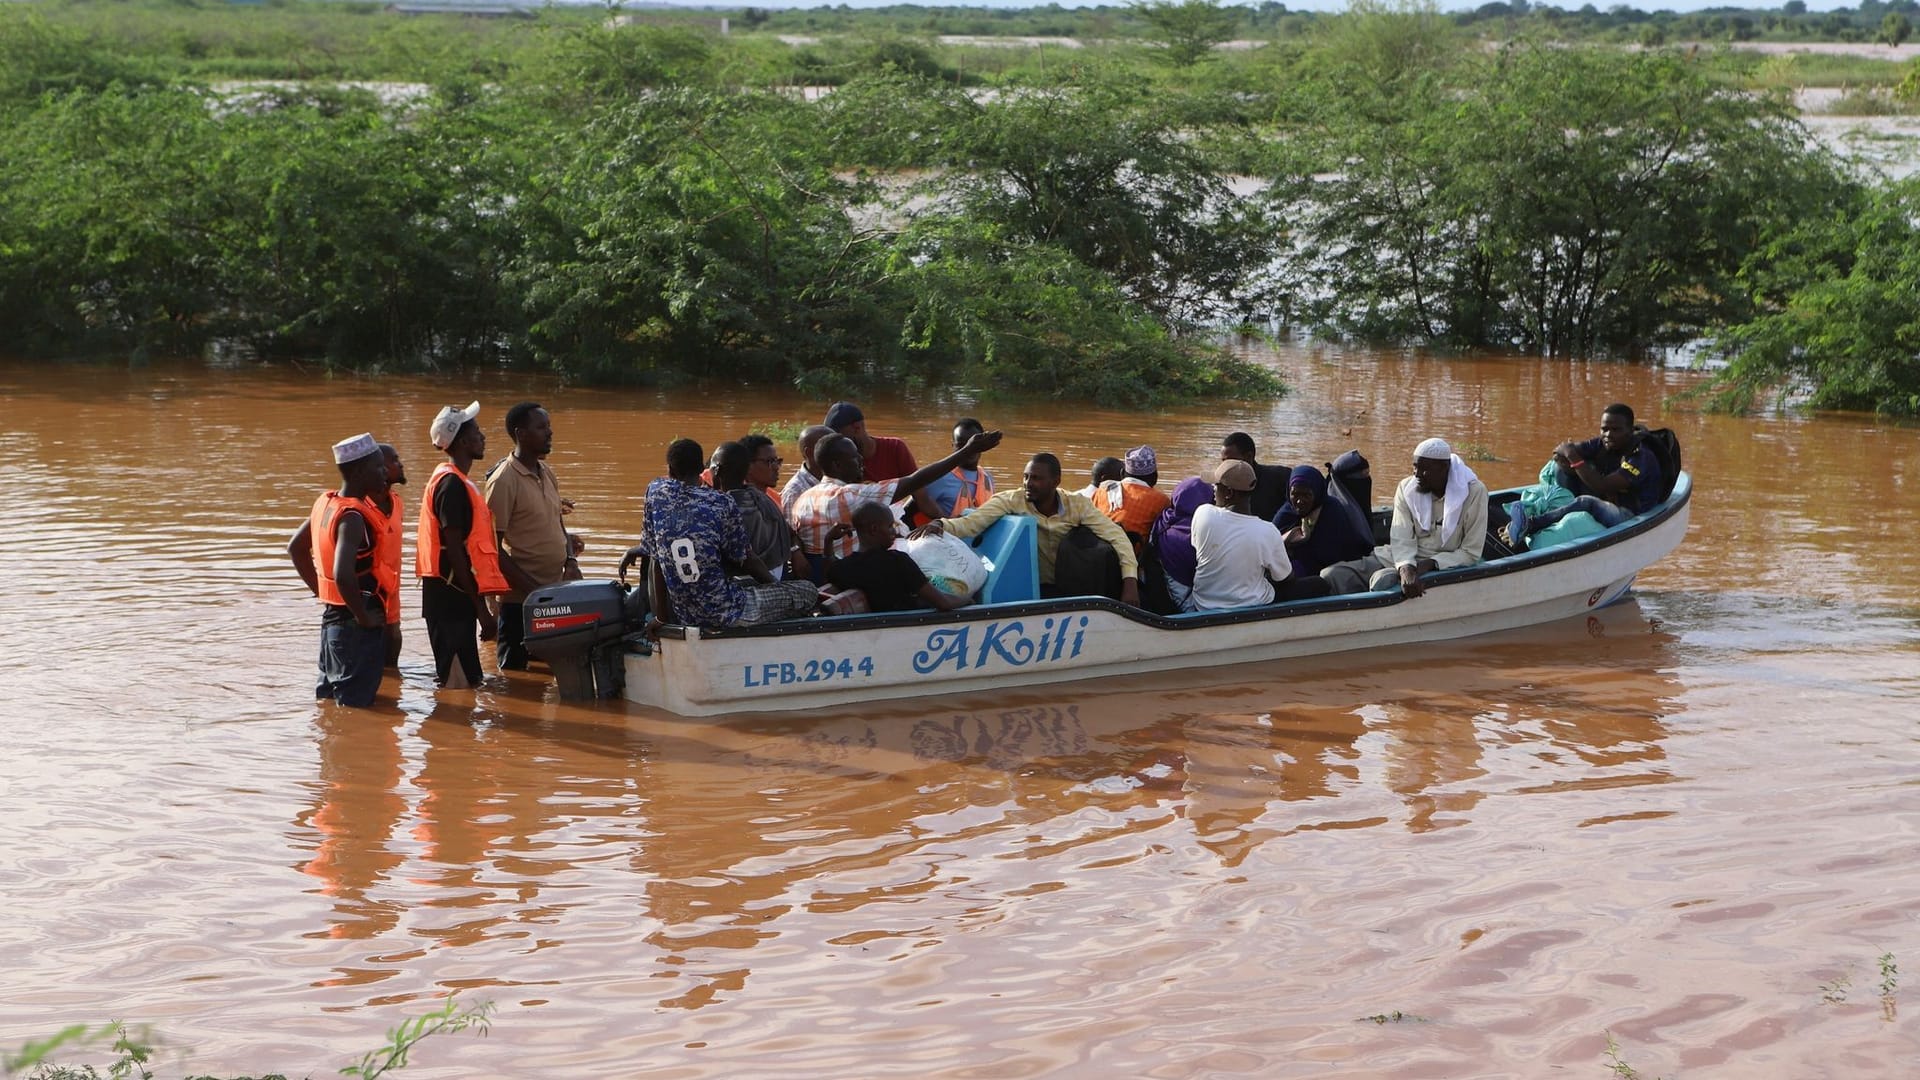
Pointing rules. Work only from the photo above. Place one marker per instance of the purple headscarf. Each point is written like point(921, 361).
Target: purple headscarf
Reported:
point(1173, 530)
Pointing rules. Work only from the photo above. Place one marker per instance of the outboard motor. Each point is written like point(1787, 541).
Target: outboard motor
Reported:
point(582, 629)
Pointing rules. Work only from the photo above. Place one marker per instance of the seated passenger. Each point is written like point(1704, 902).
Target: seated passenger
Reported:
point(968, 485)
point(767, 529)
point(1133, 501)
point(1319, 533)
point(1439, 522)
point(1107, 469)
point(1613, 478)
point(1172, 535)
point(891, 580)
point(1238, 557)
point(691, 532)
point(832, 501)
point(1270, 481)
point(1055, 514)
point(808, 474)
point(763, 465)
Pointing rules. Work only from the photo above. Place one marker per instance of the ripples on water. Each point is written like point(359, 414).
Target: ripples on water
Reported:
point(1686, 821)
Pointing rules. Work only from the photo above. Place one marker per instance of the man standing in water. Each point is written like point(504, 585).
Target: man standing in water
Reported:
point(523, 496)
point(347, 542)
point(453, 552)
point(387, 574)
point(390, 507)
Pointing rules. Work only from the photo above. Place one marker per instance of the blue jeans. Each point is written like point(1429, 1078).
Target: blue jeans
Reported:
point(352, 659)
point(1606, 513)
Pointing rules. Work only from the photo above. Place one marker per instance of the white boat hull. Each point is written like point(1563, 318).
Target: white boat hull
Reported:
point(820, 663)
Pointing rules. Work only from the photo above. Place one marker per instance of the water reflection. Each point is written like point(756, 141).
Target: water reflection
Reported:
point(472, 828)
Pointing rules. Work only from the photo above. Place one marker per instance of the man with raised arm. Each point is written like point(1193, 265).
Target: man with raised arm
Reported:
point(1439, 522)
point(1055, 514)
point(832, 501)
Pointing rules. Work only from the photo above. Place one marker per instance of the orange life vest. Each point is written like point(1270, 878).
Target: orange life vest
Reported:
point(387, 571)
point(1134, 507)
point(481, 553)
point(323, 520)
point(971, 495)
point(968, 497)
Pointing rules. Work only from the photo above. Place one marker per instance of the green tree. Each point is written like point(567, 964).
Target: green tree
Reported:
point(1187, 30)
point(1895, 28)
point(1841, 302)
point(1103, 172)
point(1509, 202)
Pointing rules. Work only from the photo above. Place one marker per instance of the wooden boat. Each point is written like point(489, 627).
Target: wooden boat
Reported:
point(824, 662)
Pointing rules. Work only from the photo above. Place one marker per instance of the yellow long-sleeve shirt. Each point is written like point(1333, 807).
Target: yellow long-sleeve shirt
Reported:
point(1074, 510)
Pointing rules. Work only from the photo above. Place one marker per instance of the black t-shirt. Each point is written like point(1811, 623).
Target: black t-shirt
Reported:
point(891, 579)
point(1269, 490)
point(1640, 465)
point(454, 508)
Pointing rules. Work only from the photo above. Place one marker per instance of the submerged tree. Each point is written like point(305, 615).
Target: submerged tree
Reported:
point(1187, 30)
point(1558, 200)
point(1841, 328)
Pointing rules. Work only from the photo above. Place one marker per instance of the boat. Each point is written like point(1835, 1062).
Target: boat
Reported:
point(1013, 639)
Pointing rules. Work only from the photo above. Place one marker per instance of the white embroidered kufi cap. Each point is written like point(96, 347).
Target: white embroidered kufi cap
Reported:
point(354, 449)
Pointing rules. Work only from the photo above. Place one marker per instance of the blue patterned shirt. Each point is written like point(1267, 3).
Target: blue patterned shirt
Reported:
point(690, 528)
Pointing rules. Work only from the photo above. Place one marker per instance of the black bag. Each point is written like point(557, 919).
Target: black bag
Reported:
point(1154, 594)
point(1666, 450)
point(1086, 565)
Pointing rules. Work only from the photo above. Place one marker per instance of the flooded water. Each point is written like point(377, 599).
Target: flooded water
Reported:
point(1690, 823)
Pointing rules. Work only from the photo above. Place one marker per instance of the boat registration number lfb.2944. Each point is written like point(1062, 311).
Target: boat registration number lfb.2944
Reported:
point(823, 669)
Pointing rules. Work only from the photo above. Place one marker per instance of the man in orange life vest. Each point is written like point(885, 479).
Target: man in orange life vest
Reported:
point(347, 541)
point(388, 503)
point(454, 554)
point(387, 574)
point(968, 485)
point(1133, 502)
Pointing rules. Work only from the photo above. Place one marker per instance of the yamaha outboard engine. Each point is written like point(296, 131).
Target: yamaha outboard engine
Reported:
point(582, 630)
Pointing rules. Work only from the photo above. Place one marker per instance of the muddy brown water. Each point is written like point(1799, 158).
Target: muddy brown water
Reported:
point(1691, 821)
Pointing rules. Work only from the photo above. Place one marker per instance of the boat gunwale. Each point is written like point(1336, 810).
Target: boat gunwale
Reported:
point(1679, 498)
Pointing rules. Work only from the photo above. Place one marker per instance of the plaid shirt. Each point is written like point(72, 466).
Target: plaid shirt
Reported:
point(829, 503)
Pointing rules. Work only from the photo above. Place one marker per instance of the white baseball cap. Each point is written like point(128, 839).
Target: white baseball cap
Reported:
point(447, 424)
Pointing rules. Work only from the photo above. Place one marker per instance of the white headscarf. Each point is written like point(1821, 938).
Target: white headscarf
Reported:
point(1458, 477)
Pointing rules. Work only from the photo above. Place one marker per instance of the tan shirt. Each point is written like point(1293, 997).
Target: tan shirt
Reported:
point(1075, 509)
point(526, 516)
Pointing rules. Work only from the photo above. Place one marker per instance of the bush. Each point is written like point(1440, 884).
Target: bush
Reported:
point(1841, 327)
